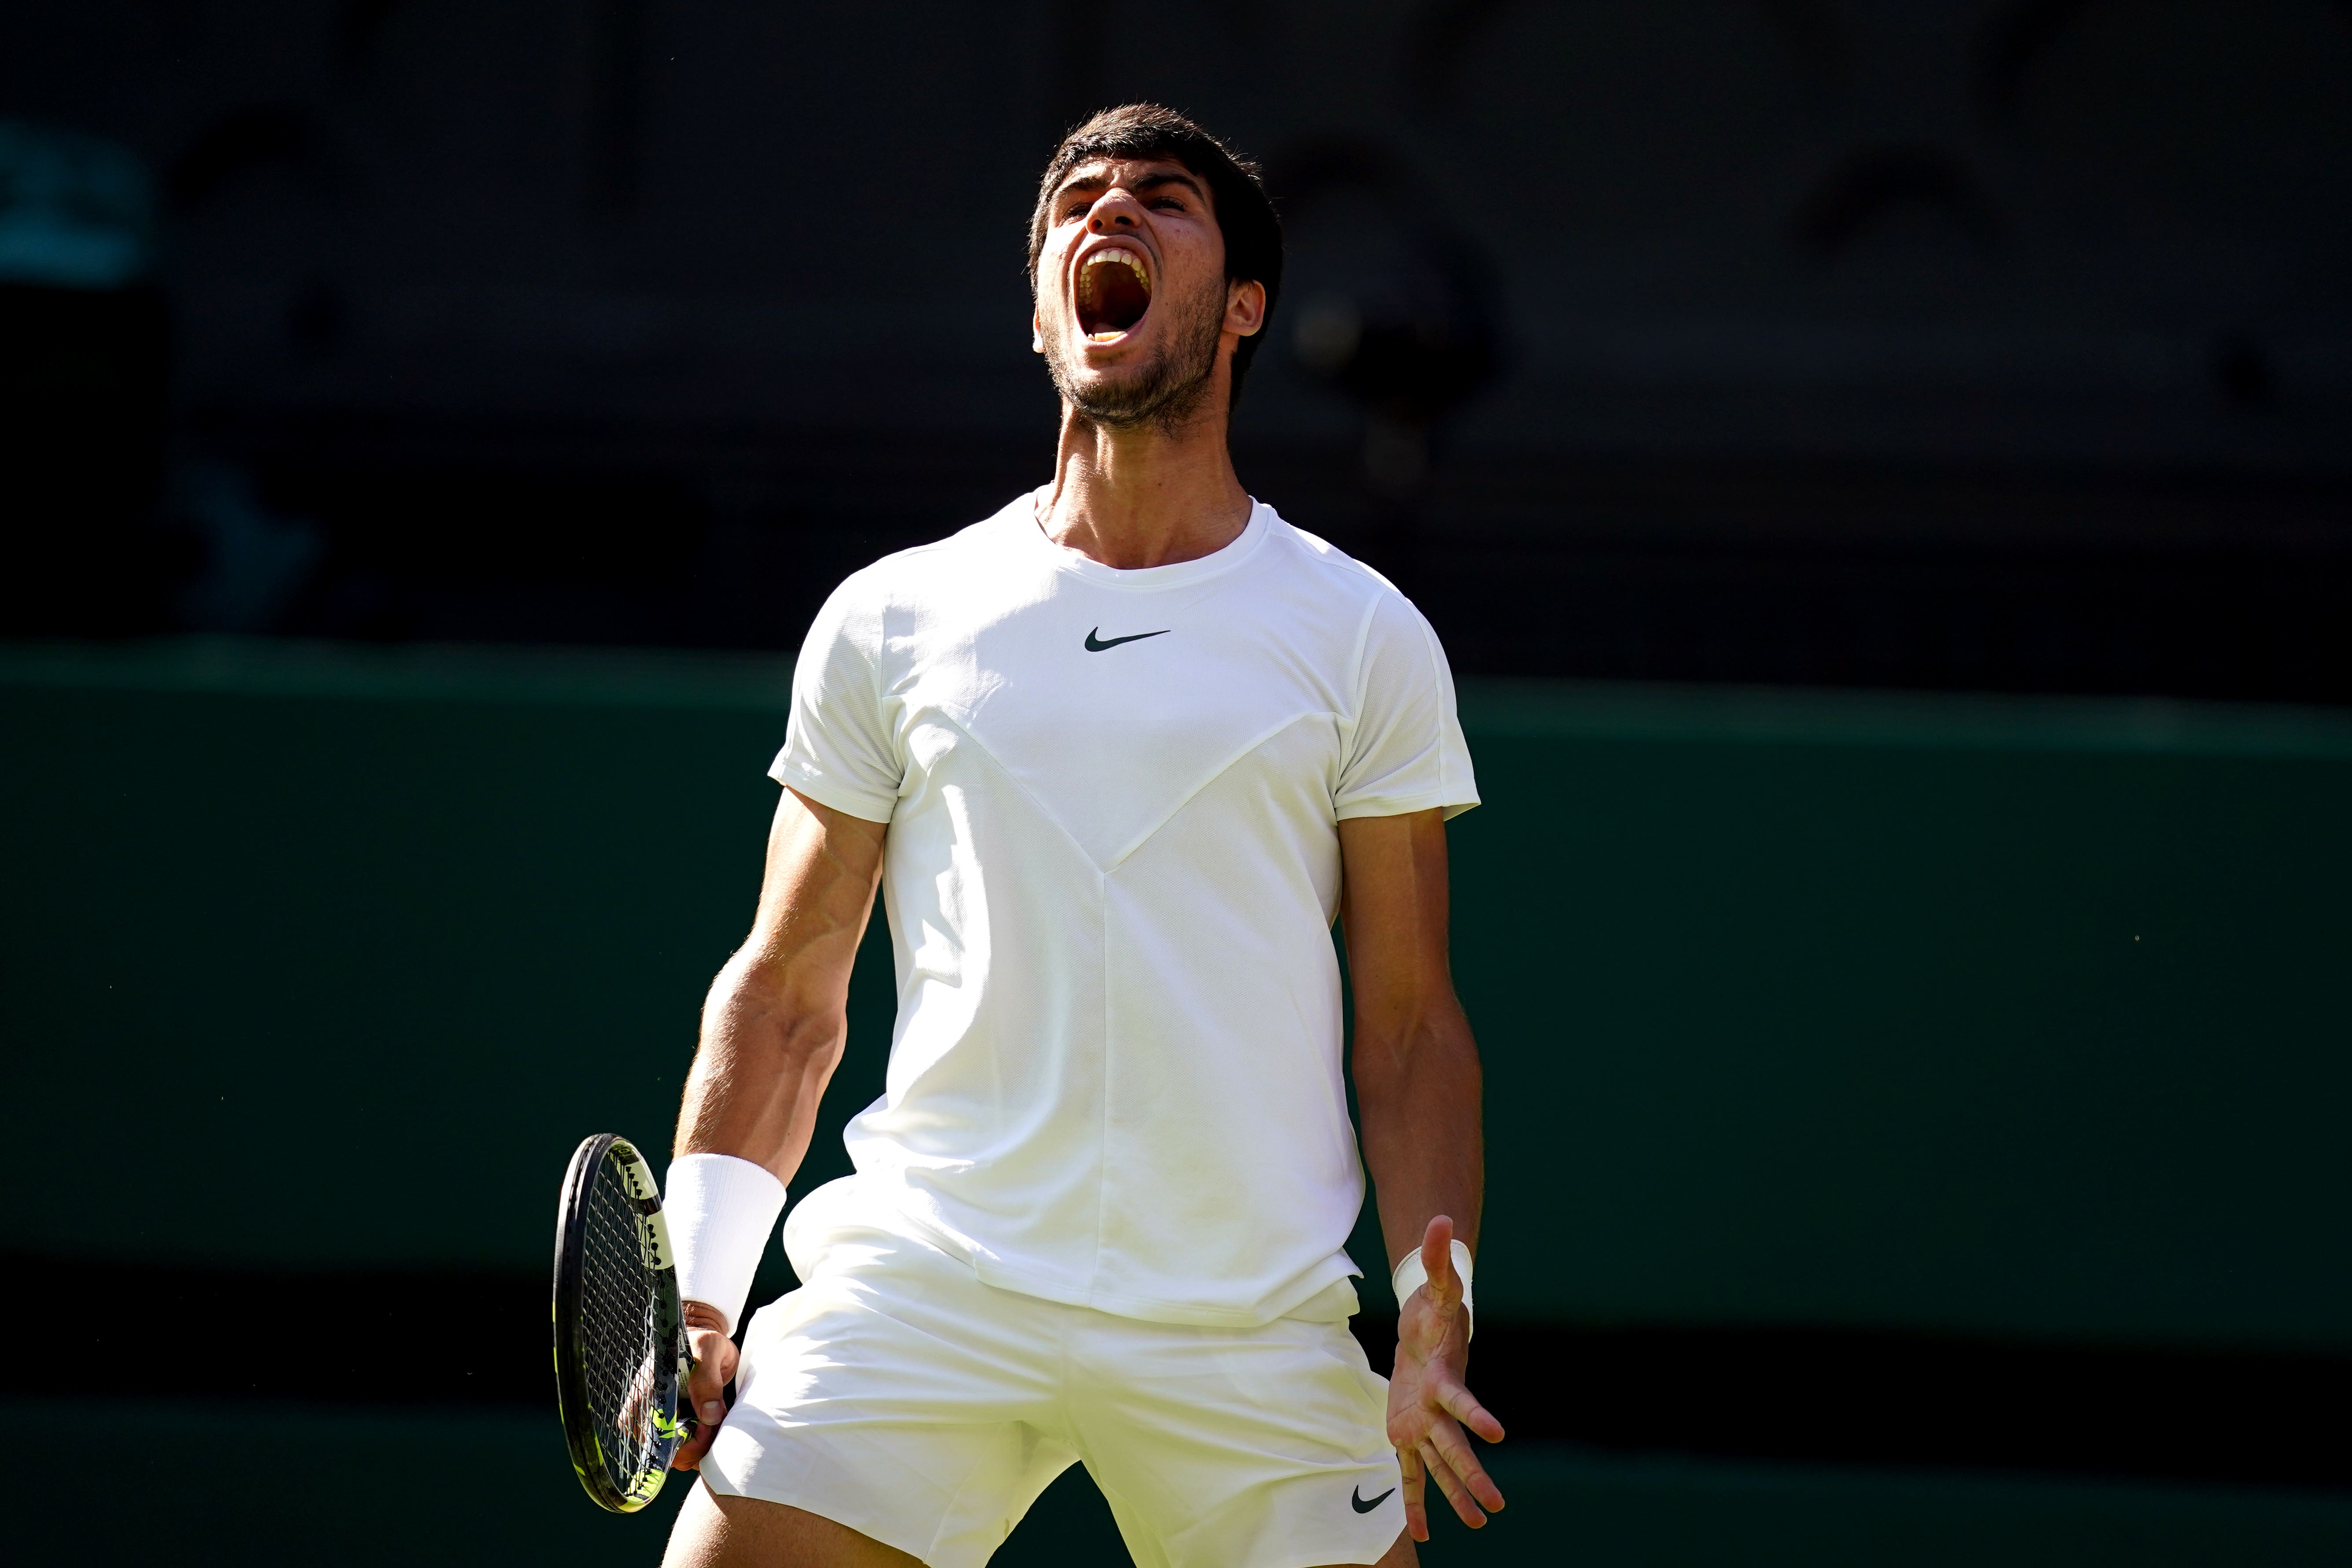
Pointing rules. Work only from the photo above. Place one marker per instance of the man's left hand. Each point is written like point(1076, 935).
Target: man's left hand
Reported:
point(1429, 1403)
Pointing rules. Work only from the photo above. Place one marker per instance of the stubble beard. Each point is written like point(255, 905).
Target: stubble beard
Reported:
point(1165, 390)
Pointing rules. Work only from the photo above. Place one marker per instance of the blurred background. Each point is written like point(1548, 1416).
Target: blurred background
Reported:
point(1883, 473)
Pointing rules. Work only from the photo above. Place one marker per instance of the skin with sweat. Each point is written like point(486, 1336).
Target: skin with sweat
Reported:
point(1143, 478)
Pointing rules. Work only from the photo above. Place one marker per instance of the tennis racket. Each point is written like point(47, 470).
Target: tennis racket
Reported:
point(620, 1333)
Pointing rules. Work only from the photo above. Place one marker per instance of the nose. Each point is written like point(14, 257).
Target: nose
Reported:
point(1115, 209)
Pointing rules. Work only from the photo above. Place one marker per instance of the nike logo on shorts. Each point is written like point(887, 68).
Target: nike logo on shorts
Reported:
point(1356, 1497)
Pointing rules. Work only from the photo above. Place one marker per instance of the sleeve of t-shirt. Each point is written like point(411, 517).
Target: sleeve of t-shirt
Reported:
point(840, 748)
point(1406, 752)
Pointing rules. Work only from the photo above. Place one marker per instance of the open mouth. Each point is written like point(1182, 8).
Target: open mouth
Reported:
point(1113, 291)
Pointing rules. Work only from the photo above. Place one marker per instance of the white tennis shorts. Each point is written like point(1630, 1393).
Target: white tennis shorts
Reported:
point(898, 1394)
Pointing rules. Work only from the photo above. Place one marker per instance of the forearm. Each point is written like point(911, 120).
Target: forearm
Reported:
point(759, 1073)
point(772, 1031)
point(1418, 1093)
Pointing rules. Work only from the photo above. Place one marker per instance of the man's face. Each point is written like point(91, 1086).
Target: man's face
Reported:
point(1132, 300)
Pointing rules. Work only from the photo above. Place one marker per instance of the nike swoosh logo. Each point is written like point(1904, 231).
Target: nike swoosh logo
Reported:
point(1356, 1496)
point(1096, 642)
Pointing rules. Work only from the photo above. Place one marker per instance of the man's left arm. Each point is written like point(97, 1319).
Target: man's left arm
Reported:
point(1417, 1089)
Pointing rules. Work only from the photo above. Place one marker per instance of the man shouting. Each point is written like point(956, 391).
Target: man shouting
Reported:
point(1117, 758)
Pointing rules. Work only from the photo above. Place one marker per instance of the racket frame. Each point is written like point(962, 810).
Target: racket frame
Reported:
point(580, 1426)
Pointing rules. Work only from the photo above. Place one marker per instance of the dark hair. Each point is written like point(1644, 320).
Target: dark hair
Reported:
point(1244, 212)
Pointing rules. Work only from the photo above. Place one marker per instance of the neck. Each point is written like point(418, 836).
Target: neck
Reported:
point(1145, 496)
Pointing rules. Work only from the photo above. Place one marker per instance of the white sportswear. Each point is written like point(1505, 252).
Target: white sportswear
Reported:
point(1111, 873)
point(896, 1394)
point(721, 1211)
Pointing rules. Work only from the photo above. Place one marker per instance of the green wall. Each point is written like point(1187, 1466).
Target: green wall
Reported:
point(2025, 1017)
point(2017, 1016)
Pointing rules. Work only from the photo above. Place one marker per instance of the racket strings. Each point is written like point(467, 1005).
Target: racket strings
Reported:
point(622, 1345)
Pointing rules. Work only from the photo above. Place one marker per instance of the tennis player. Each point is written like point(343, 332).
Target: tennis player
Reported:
point(1117, 758)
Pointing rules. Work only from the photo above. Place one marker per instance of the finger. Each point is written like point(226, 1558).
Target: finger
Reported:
point(1437, 1259)
point(1457, 1400)
point(705, 1395)
point(1462, 1465)
point(706, 1432)
point(699, 1438)
point(706, 1392)
point(1464, 1507)
point(1416, 1517)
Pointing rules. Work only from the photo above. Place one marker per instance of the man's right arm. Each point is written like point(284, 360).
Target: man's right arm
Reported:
point(772, 1031)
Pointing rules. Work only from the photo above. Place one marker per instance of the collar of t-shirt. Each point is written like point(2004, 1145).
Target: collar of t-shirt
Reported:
point(1023, 518)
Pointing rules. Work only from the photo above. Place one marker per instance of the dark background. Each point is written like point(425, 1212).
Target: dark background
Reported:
point(1937, 344)
point(1914, 1106)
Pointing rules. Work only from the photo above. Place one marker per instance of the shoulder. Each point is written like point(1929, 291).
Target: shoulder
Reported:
point(925, 571)
point(1352, 588)
point(1329, 567)
point(1392, 652)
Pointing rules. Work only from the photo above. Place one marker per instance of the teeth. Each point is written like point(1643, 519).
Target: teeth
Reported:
point(1118, 255)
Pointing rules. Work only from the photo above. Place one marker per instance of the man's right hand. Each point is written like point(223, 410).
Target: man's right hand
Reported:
point(706, 1383)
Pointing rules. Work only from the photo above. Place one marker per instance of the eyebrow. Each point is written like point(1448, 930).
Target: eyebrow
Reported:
point(1148, 183)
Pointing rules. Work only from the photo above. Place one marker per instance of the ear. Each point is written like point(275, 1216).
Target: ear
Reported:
point(1036, 334)
point(1244, 307)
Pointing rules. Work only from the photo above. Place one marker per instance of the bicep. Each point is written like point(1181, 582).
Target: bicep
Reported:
point(1393, 912)
point(822, 869)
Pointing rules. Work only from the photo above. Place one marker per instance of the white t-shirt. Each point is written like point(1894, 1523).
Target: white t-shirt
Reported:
point(1111, 873)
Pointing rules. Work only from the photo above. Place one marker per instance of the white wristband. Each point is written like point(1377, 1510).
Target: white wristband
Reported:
point(1412, 1274)
point(721, 1211)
